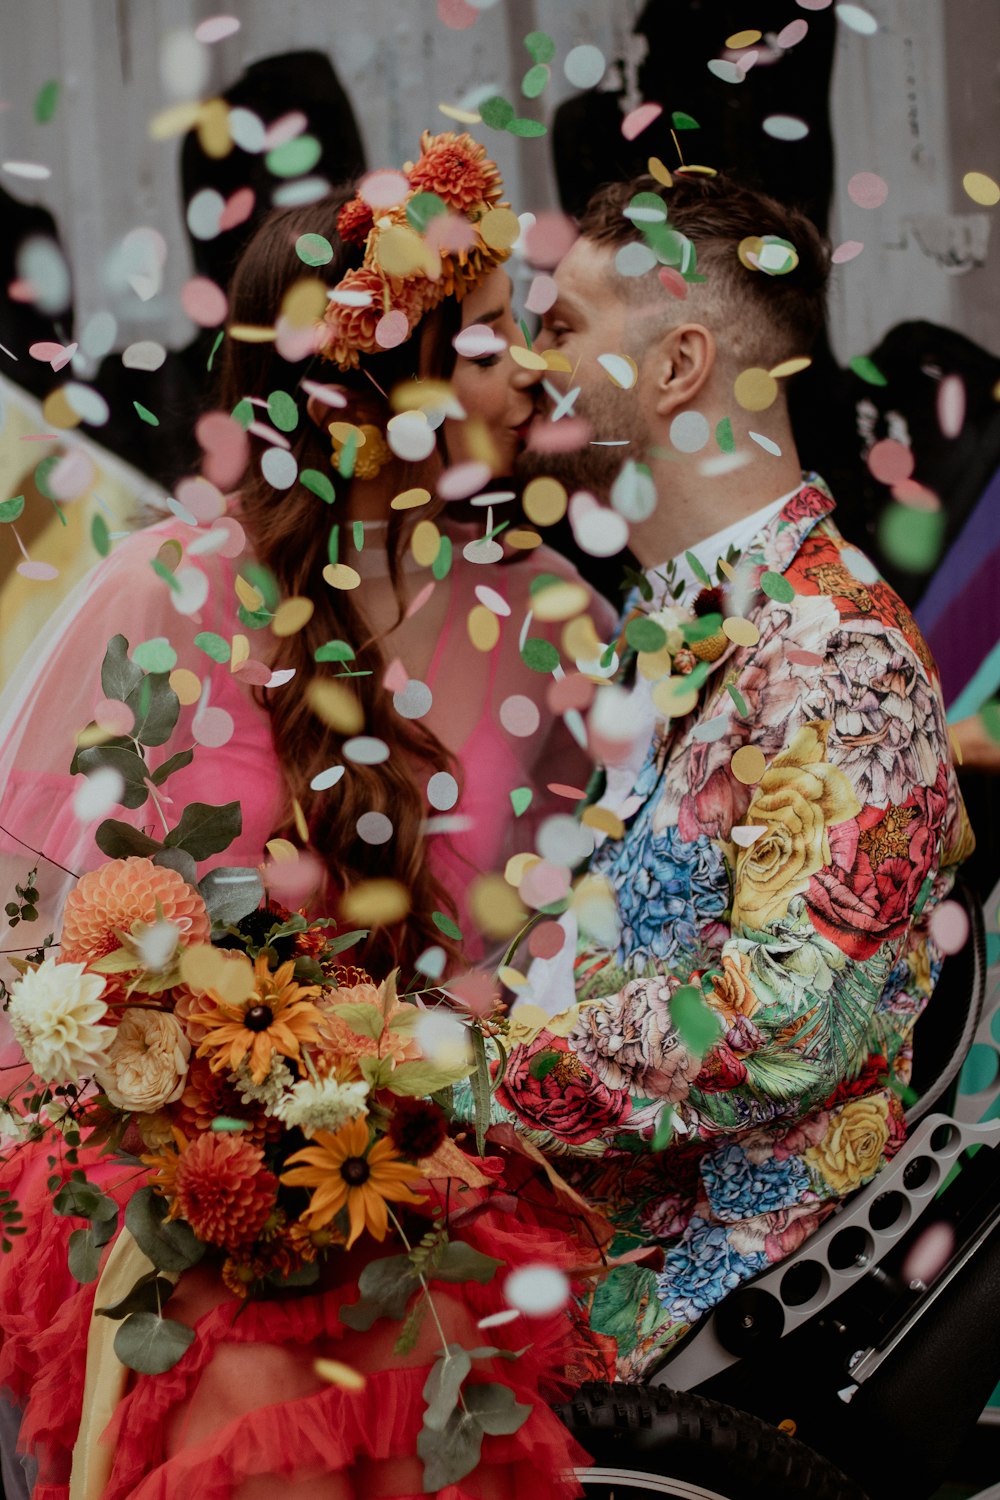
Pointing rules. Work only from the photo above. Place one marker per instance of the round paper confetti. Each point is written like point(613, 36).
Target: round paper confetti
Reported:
point(463, 480)
point(981, 188)
point(546, 940)
point(392, 329)
point(786, 128)
point(748, 764)
point(621, 369)
point(951, 405)
point(634, 260)
point(383, 188)
point(597, 529)
point(89, 405)
point(204, 212)
point(372, 903)
point(858, 565)
point(541, 294)
point(858, 19)
point(442, 791)
point(742, 632)
point(537, 1290)
point(584, 66)
point(100, 792)
point(564, 841)
point(949, 926)
point(729, 72)
point(793, 33)
point(500, 228)
point(204, 302)
point(639, 119)
point(410, 499)
point(867, 189)
point(847, 251)
point(186, 685)
point(292, 615)
point(768, 444)
point(144, 355)
point(545, 501)
point(324, 780)
point(755, 389)
point(212, 727)
point(366, 750)
point(689, 432)
point(519, 715)
point(341, 576)
point(425, 542)
point(279, 468)
point(890, 461)
point(493, 601)
point(483, 627)
point(414, 700)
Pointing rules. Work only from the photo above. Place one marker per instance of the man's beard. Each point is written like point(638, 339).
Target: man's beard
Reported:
point(612, 416)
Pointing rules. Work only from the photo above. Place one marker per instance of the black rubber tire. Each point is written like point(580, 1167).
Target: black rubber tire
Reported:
point(675, 1434)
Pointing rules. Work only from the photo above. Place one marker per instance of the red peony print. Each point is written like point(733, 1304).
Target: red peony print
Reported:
point(549, 1087)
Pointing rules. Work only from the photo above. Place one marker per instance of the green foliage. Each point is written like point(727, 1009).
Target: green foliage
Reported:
point(24, 909)
point(231, 893)
point(120, 840)
point(204, 830)
point(481, 1088)
point(386, 1286)
point(170, 1244)
point(148, 1295)
point(150, 1344)
point(129, 765)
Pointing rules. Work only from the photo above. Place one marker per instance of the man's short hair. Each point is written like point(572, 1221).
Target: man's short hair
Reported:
point(765, 318)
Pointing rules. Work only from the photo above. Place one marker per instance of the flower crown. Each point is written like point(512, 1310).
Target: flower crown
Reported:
point(442, 236)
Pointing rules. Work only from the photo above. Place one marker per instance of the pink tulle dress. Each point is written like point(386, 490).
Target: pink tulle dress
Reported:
point(244, 1411)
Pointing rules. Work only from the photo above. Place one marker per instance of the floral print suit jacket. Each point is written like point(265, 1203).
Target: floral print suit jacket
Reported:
point(805, 942)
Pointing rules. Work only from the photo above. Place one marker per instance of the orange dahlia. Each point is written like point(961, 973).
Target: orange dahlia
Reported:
point(354, 221)
point(277, 1018)
point(123, 894)
point(346, 1173)
point(223, 1190)
point(350, 331)
point(337, 1035)
point(456, 168)
point(208, 1095)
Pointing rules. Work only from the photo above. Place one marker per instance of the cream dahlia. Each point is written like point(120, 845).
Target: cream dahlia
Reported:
point(54, 1011)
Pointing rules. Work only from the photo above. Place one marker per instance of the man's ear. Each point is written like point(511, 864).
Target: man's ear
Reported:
point(686, 359)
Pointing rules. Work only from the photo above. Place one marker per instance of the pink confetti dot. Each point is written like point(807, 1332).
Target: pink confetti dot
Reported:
point(909, 492)
point(544, 883)
point(225, 446)
point(638, 120)
point(951, 405)
point(463, 480)
point(814, 4)
point(212, 728)
point(546, 940)
point(384, 188)
point(541, 294)
point(72, 476)
point(202, 499)
point(458, 14)
point(235, 541)
point(237, 209)
point(115, 717)
point(392, 329)
point(950, 926)
point(204, 302)
point(890, 461)
point(216, 28)
point(867, 189)
point(295, 879)
point(847, 251)
point(547, 240)
point(673, 282)
point(573, 691)
point(41, 572)
point(519, 715)
point(561, 789)
point(793, 33)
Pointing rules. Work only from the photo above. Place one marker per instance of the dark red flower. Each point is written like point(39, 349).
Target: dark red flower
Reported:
point(551, 1089)
point(417, 1128)
point(354, 222)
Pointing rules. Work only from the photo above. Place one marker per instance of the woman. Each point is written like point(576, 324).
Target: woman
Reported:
point(443, 693)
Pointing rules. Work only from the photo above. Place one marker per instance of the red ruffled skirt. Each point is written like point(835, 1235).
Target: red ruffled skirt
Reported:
point(244, 1410)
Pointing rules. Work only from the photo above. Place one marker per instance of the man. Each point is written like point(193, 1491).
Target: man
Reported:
point(786, 820)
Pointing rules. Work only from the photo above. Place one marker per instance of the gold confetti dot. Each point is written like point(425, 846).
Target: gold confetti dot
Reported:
point(791, 366)
point(656, 169)
point(496, 907)
point(755, 389)
point(528, 359)
point(425, 543)
point(304, 303)
point(186, 685)
point(375, 903)
point(206, 968)
point(341, 431)
point(981, 189)
point(544, 501)
point(674, 698)
point(604, 819)
point(282, 851)
point(523, 539)
point(292, 615)
point(512, 978)
point(500, 228)
point(727, 569)
point(560, 601)
point(340, 576)
point(176, 120)
point(250, 598)
point(483, 627)
point(752, 245)
point(57, 412)
point(463, 116)
point(556, 361)
point(653, 665)
point(410, 499)
point(213, 128)
point(251, 333)
point(400, 251)
point(748, 764)
point(744, 38)
point(421, 395)
point(336, 705)
point(340, 1375)
point(239, 652)
point(518, 866)
point(301, 826)
point(742, 632)
point(580, 641)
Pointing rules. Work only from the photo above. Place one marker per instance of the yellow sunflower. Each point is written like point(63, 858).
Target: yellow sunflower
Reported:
point(278, 1017)
point(345, 1172)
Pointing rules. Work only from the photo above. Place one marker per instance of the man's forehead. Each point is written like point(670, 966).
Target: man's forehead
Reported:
point(587, 278)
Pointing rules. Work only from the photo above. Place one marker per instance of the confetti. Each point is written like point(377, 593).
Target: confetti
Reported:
point(768, 444)
point(912, 538)
point(867, 370)
point(374, 828)
point(981, 188)
point(740, 631)
point(584, 66)
point(755, 389)
point(483, 628)
point(372, 903)
point(792, 34)
point(776, 586)
point(748, 764)
point(857, 19)
point(848, 250)
point(785, 128)
point(520, 799)
point(621, 369)
point(639, 119)
point(890, 461)
point(867, 189)
point(31, 171)
point(519, 715)
point(414, 700)
point(335, 705)
point(689, 432)
point(748, 834)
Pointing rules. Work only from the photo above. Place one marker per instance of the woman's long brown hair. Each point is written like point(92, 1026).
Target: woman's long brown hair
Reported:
point(288, 533)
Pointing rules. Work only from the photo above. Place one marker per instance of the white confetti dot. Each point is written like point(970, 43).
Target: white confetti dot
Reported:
point(89, 405)
point(442, 791)
point(42, 264)
point(374, 828)
point(584, 66)
point(213, 727)
point(183, 65)
point(537, 1290)
point(32, 171)
point(366, 750)
point(99, 335)
point(145, 355)
point(216, 28)
point(431, 962)
point(409, 436)
point(101, 791)
point(483, 550)
point(768, 444)
point(493, 601)
point(192, 590)
point(324, 780)
point(729, 72)
point(204, 212)
point(634, 260)
point(689, 432)
point(519, 715)
point(564, 841)
point(597, 529)
point(247, 130)
point(279, 468)
point(785, 128)
point(414, 700)
point(859, 566)
point(858, 19)
point(633, 493)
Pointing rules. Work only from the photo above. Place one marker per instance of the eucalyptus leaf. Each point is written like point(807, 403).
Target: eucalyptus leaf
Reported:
point(175, 763)
point(495, 1409)
point(386, 1286)
point(460, 1262)
point(179, 860)
point(346, 940)
point(364, 1020)
point(306, 1275)
point(83, 1256)
point(481, 1091)
point(130, 767)
point(443, 1384)
point(452, 1453)
point(150, 1344)
point(170, 1244)
point(231, 893)
point(205, 830)
point(120, 840)
point(156, 708)
point(148, 1295)
point(425, 1076)
point(119, 676)
point(82, 1200)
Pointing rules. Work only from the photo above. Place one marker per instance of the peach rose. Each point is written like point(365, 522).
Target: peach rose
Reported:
point(147, 1061)
point(799, 797)
point(852, 1149)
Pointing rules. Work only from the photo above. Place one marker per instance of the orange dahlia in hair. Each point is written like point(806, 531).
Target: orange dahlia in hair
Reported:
point(277, 1018)
point(350, 331)
point(354, 221)
point(345, 1173)
point(223, 1190)
point(124, 894)
point(456, 168)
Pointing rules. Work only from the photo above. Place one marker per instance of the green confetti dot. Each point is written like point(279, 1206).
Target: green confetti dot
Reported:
point(224, 1122)
point(912, 538)
point(254, 619)
point(358, 531)
point(535, 79)
point(738, 699)
point(697, 1026)
point(990, 715)
point(320, 485)
point(777, 587)
point(681, 121)
point(645, 635)
point(334, 651)
point(46, 101)
point(264, 582)
point(243, 412)
point(333, 545)
point(663, 1134)
point(527, 129)
point(146, 415)
point(100, 536)
point(541, 47)
point(215, 348)
point(348, 453)
point(282, 411)
point(314, 249)
point(213, 645)
point(539, 655)
point(11, 510)
point(156, 655)
point(520, 799)
point(292, 158)
point(724, 436)
point(41, 475)
point(444, 924)
point(496, 112)
point(422, 208)
point(441, 566)
point(866, 369)
point(162, 571)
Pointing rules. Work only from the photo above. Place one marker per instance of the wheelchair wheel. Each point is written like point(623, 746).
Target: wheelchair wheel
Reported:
point(651, 1441)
